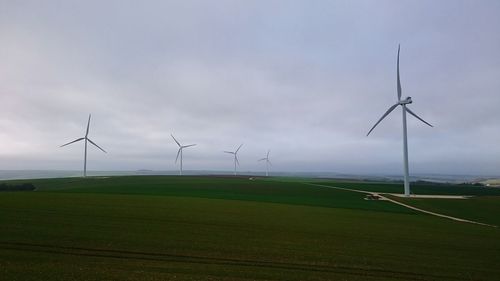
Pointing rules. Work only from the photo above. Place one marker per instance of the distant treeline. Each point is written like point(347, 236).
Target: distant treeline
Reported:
point(17, 187)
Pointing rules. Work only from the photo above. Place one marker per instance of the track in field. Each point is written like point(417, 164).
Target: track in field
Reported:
point(190, 259)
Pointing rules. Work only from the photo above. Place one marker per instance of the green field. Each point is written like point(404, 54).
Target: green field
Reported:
point(427, 188)
point(213, 228)
point(484, 209)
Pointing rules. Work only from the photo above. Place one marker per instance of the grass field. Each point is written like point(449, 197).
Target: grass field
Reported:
point(432, 189)
point(209, 228)
point(484, 209)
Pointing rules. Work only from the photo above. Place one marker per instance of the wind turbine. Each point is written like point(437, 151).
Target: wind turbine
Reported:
point(235, 153)
point(181, 147)
point(267, 162)
point(403, 104)
point(86, 138)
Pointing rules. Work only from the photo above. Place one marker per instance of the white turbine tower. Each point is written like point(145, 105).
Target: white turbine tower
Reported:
point(235, 153)
point(267, 162)
point(403, 104)
point(86, 138)
point(181, 147)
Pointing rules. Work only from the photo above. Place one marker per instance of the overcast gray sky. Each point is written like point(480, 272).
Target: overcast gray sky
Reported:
point(305, 79)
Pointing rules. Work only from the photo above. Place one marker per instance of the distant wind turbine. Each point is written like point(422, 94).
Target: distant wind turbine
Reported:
point(86, 138)
point(403, 104)
point(181, 147)
point(235, 153)
point(267, 162)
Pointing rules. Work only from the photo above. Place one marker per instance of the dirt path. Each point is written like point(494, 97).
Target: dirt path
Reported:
point(382, 197)
point(430, 196)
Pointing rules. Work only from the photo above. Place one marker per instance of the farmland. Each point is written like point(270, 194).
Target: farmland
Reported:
point(214, 228)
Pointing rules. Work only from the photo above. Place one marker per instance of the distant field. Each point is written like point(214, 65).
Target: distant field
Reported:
point(427, 188)
point(208, 228)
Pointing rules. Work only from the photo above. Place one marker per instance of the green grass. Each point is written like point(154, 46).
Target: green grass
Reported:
point(485, 209)
point(416, 188)
point(198, 228)
point(229, 188)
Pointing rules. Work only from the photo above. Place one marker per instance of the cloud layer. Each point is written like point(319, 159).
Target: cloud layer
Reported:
point(303, 79)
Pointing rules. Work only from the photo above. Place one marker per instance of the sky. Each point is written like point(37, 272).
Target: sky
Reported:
point(303, 79)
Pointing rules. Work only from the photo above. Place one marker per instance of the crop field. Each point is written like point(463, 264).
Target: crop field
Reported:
point(216, 228)
point(485, 209)
point(431, 189)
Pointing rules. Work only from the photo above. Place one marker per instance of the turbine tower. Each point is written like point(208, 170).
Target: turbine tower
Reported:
point(86, 138)
point(181, 147)
point(235, 153)
point(403, 103)
point(267, 162)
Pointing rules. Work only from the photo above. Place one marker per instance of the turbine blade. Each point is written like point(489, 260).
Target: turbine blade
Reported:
point(238, 148)
point(268, 153)
point(177, 157)
point(176, 140)
point(96, 145)
point(262, 159)
point(88, 125)
point(236, 158)
point(383, 116)
point(399, 82)
point(416, 116)
point(269, 162)
point(72, 142)
point(188, 145)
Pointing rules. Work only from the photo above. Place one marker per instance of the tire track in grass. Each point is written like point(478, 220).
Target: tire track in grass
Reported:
point(385, 198)
point(192, 259)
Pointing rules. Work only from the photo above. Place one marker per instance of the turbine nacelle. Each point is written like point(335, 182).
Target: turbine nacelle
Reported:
point(405, 101)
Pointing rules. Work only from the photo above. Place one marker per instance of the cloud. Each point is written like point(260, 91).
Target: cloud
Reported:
point(306, 80)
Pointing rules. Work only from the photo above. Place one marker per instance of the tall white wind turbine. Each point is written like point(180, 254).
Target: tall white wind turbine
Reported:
point(235, 153)
point(181, 147)
point(268, 162)
point(403, 104)
point(86, 138)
